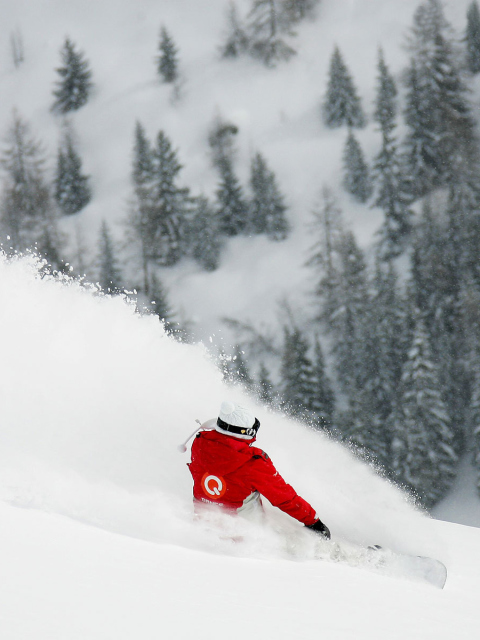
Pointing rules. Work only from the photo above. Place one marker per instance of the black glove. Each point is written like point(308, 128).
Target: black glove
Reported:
point(320, 528)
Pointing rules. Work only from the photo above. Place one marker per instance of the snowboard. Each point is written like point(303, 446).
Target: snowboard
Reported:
point(386, 562)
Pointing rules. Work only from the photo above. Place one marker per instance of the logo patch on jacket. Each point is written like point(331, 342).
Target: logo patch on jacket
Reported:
point(213, 486)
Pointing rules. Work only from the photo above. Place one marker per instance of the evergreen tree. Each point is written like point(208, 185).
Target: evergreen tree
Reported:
point(344, 296)
point(267, 208)
point(472, 37)
point(327, 223)
point(392, 190)
point(237, 41)
point(27, 213)
point(140, 215)
point(385, 340)
point(75, 85)
point(142, 170)
point(204, 238)
point(169, 203)
point(167, 63)
point(341, 105)
point(238, 369)
point(265, 389)
point(160, 304)
point(420, 143)
point(109, 277)
point(474, 424)
point(425, 253)
point(423, 455)
point(265, 31)
point(297, 379)
point(160, 210)
point(385, 101)
point(231, 205)
point(356, 179)
point(72, 191)
point(323, 399)
point(439, 278)
point(355, 427)
point(48, 247)
point(441, 130)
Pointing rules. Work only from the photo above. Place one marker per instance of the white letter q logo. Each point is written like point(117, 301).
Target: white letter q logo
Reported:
point(213, 486)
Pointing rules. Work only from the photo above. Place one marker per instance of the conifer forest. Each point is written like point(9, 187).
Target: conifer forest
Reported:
point(385, 357)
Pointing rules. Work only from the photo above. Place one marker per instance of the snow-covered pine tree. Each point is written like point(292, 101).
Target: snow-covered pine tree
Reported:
point(264, 386)
point(391, 186)
point(296, 372)
point(343, 300)
point(440, 275)
point(423, 455)
point(323, 399)
point(139, 222)
point(420, 145)
point(474, 424)
point(385, 339)
point(49, 248)
point(72, 189)
point(204, 238)
point(355, 427)
point(356, 176)
point(441, 130)
point(267, 206)
point(166, 219)
point(167, 60)
point(160, 304)
point(109, 274)
point(341, 105)
point(231, 205)
point(448, 332)
point(265, 31)
point(27, 211)
point(236, 42)
point(425, 262)
point(238, 368)
point(75, 84)
point(142, 169)
point(472, 37)
point(327, 225)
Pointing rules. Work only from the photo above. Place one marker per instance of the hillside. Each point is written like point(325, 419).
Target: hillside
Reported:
point(276, 111)
point(97, 538)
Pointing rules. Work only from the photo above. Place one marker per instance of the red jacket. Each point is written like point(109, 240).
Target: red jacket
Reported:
point(226, 470)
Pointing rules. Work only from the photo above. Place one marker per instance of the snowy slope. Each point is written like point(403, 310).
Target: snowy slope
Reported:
point(94, 400)
point(63, 580)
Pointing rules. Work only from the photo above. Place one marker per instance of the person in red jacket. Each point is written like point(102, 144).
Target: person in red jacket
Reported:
point(229, 472)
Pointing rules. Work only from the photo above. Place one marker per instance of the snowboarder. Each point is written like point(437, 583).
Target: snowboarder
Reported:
point(229, 472)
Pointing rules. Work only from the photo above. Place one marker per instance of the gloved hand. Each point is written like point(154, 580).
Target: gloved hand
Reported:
point(320, 528)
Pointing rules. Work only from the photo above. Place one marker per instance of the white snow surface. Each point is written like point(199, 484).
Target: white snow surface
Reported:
point(97, 538)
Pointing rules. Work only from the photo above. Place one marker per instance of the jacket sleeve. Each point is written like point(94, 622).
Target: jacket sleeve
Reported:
point(267, 481)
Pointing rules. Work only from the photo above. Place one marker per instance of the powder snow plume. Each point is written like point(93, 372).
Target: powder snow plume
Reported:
point(95, 399)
